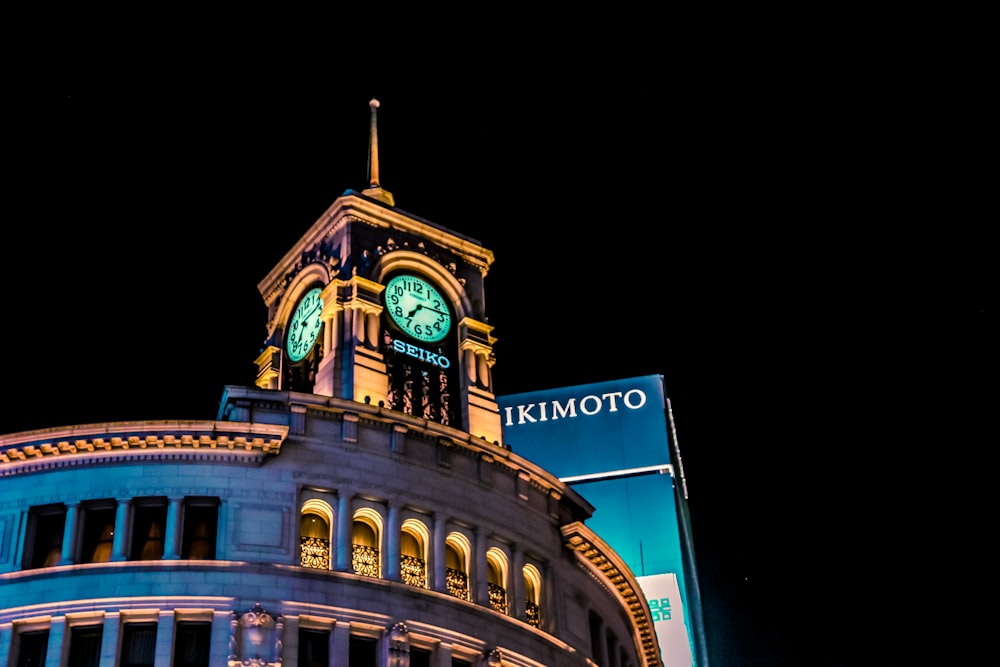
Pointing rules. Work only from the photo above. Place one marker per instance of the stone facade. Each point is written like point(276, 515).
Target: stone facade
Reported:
point(435, 547)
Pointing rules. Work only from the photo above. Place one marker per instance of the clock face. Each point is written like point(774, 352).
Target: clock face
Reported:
point(304, 325)
point(417, 308)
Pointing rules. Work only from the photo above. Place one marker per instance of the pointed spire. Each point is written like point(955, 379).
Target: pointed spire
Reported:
point(375, 190)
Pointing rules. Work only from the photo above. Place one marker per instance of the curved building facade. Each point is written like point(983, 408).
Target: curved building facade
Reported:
point(301, 530)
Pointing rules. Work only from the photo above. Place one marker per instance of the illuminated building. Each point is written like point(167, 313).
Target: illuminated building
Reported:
point(357, 506)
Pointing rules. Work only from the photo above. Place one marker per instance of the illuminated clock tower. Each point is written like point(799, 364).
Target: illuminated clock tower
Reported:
point(379, 306)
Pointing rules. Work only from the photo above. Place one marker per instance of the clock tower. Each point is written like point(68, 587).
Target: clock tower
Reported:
point(379, 306)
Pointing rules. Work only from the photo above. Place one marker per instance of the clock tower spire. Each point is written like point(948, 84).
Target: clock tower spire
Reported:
point(375, 190)
point(376, 305)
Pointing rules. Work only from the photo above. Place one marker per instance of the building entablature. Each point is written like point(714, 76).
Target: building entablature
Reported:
point(31, 451)
point(318, 244)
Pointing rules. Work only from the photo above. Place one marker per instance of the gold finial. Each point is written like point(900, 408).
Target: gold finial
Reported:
point(375, 189)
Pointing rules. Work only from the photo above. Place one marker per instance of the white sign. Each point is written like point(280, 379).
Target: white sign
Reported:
point(589, 405)
point(664, 598)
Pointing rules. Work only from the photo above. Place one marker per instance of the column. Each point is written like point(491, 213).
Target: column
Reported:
point(482, 370)
point(331, 332)
point(442, 656)
point(219, 638)
point(340, 649)
point(109, 640)
point(69, 531)
point(164, 638)
point(171, 547)
point(437, 564)
point(290, 643)
point(57, 635)
point(372, 319)
point(547, 604)
point(516, 590)
point(348, 328)
point(121, 521)
point(469, 361)
point(391, 559)
point(345, 530)
point(479, 578)
point(359, 326)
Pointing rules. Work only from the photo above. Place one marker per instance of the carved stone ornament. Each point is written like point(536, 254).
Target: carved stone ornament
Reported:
point(399, 645)
point(255, 639)
point(495, 658)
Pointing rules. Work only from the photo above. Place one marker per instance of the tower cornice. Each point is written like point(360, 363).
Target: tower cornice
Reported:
point(354, 207)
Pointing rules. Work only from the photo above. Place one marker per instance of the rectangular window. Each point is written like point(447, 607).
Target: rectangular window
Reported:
point(98, 531)
point(201, 521)
point(420, 657)
point(362, 652)
point(85, 646)
point(149, 525)
point(191, 644)
point(138, 645)
point(314, 648)
point(43, 541)
point(32, 648)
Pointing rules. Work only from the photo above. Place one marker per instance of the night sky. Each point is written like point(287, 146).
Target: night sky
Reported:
point(819, 305)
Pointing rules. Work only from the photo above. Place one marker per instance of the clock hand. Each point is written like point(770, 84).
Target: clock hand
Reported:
point(412, 312)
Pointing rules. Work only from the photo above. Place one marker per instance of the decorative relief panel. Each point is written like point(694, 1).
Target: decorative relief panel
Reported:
point(255, 638)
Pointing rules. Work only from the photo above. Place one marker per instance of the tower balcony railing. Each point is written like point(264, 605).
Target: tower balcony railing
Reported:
point(498, 597)
point(413, 571)
point(457, 583)
point(532, 614)
point(315, 553)
point(366, 561)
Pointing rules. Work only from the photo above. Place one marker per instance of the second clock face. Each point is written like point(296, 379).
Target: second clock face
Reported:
point(304, 325)
point(417, 308)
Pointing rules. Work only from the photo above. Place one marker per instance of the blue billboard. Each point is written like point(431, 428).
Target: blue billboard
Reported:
point(612, 441)
point(590, 428)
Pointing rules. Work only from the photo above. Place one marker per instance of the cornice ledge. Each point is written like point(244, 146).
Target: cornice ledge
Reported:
point(602, 561)
point(142, 440)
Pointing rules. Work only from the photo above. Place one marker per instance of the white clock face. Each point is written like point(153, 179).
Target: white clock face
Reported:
point(417, 308)
point(304, 325)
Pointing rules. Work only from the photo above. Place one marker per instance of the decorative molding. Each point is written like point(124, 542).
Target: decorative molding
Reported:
point(596, 556)
point(114, 442)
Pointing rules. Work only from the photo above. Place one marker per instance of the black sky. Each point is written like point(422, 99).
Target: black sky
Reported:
point(816, 294)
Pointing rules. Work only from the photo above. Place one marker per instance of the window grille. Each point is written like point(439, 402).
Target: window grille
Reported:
point(457, 583)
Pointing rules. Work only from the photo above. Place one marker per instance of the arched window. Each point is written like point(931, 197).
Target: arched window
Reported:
point(366, 535)
point(457, 548)
point(413, 561)
point(532, 595)
point(496, 577)
point(314, 535)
